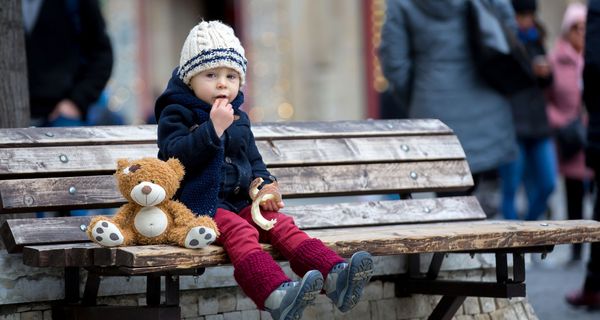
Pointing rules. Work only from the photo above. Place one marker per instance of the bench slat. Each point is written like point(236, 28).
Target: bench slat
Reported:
point(378, 240)
point(356, 128)
point(26, 137)
point(36, 137)
point(27, 195)
point(19, 232)
point(94, 160)
point(280, 153)
point(26, 232)
point(54, 161)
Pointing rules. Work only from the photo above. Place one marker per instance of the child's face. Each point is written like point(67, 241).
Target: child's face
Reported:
point(212, 84)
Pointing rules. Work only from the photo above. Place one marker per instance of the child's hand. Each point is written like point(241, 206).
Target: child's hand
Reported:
point(221, 115)
point(272, 205)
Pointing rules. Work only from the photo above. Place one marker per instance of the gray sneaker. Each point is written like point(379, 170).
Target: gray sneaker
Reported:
point(345, 282)
point(288, 301)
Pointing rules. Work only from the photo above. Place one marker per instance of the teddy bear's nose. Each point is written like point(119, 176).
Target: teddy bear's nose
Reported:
point(146, 190)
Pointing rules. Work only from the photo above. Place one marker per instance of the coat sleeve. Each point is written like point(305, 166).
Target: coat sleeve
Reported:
point(394, 52)
point(96, 50)
point(259, 168)
point(179, 137)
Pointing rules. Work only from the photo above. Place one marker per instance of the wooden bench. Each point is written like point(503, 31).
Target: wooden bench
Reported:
point(71, 168)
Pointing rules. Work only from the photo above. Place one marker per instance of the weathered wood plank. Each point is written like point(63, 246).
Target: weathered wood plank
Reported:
point(393, 240)
point(26, 137)
point(280, 153)
point(88, 160)
point(35, 137)
point(60, 255)
point(379, 240)
point(94, 160)
point(386, 212)
point(373, 178)
point(357, 128)
point(27, 195)
point(17, 233)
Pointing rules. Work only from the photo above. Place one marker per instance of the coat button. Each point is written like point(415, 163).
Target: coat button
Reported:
point(236, 190)
point(228, 160)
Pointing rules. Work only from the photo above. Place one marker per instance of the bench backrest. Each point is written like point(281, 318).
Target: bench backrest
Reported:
point(72, 168)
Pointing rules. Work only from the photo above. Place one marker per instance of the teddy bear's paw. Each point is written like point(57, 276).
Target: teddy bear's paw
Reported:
point(107, 234)
point(200, 237)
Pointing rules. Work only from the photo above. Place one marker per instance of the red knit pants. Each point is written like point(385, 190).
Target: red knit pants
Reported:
point(255, 270)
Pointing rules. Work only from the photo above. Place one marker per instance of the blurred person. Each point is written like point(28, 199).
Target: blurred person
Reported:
point(589, 294)
point(69, 59)
point(535, 167)
point(565, 106)
point(426, 57)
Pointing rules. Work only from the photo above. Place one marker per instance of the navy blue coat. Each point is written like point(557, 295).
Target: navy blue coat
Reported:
point(591, 79)
point(218, 171)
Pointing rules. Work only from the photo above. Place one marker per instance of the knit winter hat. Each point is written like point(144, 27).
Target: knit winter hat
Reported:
point(210, 45)
point(576, 12)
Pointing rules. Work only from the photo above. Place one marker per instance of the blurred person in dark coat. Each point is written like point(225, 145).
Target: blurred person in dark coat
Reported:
point(589, 294)
point(426, 58)
point(69, 59)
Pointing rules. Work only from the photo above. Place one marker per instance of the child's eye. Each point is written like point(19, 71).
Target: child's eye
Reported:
point(210, 75)
point(232, 76)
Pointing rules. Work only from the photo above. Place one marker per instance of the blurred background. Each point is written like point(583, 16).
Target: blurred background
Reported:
point(295, 49)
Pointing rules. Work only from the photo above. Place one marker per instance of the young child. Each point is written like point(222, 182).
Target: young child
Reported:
point(201, 124)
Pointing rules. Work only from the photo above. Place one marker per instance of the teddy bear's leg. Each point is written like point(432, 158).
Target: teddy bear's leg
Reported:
point(199, 237)
point(193, 235)
point(104, 232)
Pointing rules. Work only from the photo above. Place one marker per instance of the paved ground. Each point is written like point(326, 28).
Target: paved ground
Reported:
point(549, 280)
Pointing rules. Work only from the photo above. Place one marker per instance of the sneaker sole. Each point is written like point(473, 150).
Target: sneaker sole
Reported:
point(310, 287)
point(361, 270)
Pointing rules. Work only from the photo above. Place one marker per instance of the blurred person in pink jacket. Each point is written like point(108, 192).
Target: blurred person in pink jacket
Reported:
point(565, 105)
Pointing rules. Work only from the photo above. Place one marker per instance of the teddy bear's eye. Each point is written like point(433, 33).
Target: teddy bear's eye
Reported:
point(152, 181)
point(139, 181)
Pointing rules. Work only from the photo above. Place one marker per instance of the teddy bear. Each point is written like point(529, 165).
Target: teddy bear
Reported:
point(150, 216)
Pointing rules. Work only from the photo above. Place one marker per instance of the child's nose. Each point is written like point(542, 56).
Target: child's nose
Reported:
point(221, 83)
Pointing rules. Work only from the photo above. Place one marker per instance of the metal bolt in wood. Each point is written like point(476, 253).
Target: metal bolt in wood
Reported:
point(72, 190)
point(414, 175)
point(63, 158)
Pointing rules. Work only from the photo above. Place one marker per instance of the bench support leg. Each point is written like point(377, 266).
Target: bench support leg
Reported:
point(90, 293)
point(447, 307)
point(153, 290)
point(71, 285)
point(172, 290)
point(507, 285)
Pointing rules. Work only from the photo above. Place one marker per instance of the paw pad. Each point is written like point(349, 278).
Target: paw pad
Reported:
point(199, 237)
point(107, 234)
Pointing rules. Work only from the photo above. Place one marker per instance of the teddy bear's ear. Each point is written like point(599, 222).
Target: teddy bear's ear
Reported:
point(122, 164)
point(176, 165)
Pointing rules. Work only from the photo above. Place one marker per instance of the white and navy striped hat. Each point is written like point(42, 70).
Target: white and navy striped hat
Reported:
point(210, 45)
